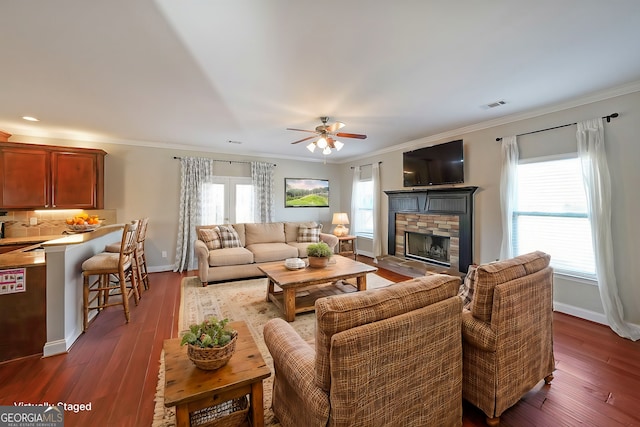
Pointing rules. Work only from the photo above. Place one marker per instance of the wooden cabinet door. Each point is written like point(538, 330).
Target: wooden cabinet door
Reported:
point(24, 178)
point(74, 180)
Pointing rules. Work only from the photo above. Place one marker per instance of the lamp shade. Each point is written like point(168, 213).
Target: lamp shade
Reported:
point(340, 218)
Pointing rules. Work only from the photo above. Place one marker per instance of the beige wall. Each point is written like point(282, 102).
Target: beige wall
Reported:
point(482, 169)
point(145, 181)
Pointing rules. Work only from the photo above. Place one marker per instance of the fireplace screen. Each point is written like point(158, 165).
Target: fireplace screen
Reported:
point(427, 247)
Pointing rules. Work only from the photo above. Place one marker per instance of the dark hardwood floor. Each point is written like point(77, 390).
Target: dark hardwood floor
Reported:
point(114, 367)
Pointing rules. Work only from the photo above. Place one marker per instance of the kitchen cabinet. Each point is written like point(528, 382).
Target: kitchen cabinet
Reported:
point(50, 177)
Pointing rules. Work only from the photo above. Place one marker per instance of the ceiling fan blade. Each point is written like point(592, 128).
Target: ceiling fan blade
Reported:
point(334, 127)
point(305, 139)
point(303, 130)
point(351, 135)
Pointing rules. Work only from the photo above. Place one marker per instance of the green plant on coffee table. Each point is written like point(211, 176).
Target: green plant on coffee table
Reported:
point(320, 249)
point(208, 334)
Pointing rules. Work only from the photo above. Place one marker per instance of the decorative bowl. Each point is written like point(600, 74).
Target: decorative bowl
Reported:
point(294, 263)
point(78, 228)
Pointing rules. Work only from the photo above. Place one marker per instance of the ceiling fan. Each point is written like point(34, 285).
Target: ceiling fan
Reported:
point(325, 136)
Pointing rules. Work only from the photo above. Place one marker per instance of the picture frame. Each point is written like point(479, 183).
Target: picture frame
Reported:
point(306, 193)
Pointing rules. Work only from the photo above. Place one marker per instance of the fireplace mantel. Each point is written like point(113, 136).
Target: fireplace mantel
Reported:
point(445, 201)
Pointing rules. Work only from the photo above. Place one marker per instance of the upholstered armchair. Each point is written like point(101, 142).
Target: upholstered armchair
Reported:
point(508, 333)
point(384, 357)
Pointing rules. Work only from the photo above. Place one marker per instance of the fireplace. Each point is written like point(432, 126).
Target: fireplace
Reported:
point(439, 212)
point(427, 247)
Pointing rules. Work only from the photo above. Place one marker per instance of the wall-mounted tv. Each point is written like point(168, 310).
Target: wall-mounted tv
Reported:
point(435, 165)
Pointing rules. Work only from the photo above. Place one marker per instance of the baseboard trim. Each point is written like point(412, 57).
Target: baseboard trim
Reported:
point(160, 268)
point(582, 313)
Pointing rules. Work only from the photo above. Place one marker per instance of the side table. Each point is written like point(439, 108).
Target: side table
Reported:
point(190, 389)
point(347, 246)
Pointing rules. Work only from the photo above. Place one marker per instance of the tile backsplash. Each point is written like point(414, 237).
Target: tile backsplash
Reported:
point(47, 223)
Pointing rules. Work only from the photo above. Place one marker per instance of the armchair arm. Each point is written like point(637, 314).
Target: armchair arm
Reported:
point(478, 333)
point(202, 255)
point(294, 362)
point(330, 240)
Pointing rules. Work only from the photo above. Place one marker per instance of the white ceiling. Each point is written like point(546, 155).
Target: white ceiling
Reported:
point(197, 74)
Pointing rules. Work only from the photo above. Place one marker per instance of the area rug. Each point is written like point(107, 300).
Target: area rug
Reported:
point(238, 300)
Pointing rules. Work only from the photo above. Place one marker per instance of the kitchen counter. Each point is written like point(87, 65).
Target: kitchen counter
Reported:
point(53, 292)
point(29, 240)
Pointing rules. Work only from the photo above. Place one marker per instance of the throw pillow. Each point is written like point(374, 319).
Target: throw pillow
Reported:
point(210, 237)
point(467, 287)
point(229, 237)
point(309, 234)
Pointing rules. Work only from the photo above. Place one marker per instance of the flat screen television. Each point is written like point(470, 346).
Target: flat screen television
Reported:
point(435, 165)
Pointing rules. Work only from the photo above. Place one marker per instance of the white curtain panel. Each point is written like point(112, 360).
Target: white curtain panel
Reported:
point(597, 184)
point(262, 180)
point(354, 198)
point(508, 189)
point(377, 222)
point(195, 171)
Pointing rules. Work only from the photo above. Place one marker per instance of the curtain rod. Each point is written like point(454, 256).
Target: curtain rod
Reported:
point(368, 164)
point(224, 161)
point(609, 117)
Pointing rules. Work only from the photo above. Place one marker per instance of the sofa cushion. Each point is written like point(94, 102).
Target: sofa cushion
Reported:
point(300, 247)
point(291, 229)
point(266, 252)
point(468, 285)
point(229, 237)
point(210, 237)
point(230, 256)
point(495, 273)
point(264, 233)
point(308, 234)
point(341, 312)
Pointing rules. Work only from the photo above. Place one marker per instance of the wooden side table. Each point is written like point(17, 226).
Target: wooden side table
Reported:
point(190, 389)
point(347, 246)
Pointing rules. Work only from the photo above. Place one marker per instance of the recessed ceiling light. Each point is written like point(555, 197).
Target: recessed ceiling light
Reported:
point(31, 119)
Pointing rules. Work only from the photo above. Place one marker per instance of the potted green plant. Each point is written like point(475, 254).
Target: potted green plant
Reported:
point(319, 254)
point(210, 343)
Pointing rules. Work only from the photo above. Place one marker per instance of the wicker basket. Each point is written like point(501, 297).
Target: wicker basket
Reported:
point(231, 413)
point(211, 358)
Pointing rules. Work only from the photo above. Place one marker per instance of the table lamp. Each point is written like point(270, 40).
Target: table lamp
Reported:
point(339, 219)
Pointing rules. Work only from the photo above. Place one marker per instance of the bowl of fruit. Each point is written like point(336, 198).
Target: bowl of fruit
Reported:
point(83, 222)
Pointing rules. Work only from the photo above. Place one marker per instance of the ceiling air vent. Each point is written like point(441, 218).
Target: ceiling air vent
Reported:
point(495, 104)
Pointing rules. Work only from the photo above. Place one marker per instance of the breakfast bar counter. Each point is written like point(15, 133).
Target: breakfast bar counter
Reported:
point(41, 290)
point(64, 258)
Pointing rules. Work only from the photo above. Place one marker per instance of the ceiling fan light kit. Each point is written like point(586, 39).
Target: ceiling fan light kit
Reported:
point(324, 134)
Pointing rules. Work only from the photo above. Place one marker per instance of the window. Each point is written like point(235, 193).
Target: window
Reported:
point(227, 200)
point(363, 221)
point(551, 215)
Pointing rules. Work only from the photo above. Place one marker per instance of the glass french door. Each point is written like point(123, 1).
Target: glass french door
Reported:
point(227, 200)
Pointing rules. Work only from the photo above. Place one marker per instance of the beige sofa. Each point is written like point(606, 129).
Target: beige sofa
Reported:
point(259, 243)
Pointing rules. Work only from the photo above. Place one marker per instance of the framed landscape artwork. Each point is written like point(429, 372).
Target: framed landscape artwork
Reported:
point(306, 193)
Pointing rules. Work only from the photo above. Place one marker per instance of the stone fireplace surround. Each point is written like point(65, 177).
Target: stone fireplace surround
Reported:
point(443, 211)
point(435, 225)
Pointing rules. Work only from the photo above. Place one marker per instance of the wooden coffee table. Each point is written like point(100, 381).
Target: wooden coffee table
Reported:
point(190, 389)
point(291, 281)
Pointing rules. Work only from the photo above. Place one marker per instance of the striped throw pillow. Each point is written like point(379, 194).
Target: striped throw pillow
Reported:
point(309, 234)
point(210, 237)
point(229, 237)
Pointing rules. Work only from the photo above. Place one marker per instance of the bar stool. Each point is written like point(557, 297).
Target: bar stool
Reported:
point(141, 259)
point(140, 265)
point(105, 265)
